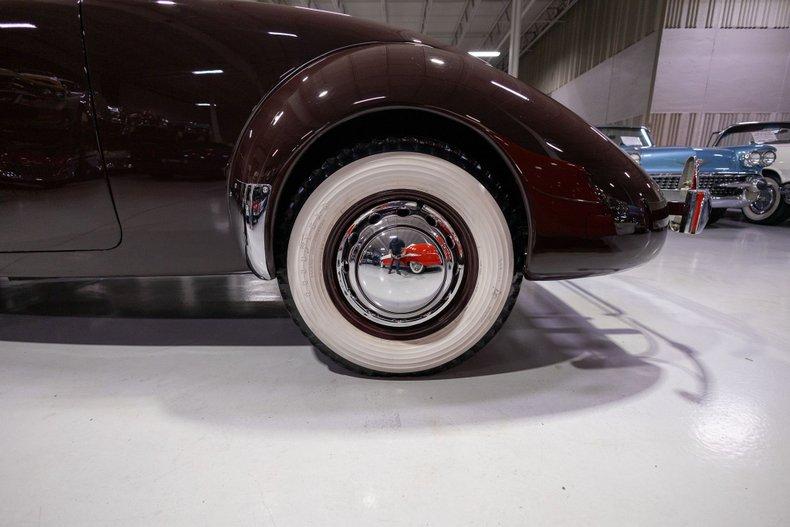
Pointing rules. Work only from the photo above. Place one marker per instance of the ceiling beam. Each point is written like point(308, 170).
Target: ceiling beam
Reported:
point(467, 15)
point(425, 13)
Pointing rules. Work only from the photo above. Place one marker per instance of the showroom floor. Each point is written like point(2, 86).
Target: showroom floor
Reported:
point(660, 396)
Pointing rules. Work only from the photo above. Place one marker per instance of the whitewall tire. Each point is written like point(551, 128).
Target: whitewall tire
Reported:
point(309, 291)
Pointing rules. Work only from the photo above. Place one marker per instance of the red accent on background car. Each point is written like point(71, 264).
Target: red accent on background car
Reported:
point(423, 253)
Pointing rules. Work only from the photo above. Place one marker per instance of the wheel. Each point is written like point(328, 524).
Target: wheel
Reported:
point(416, 267)
point(380, 323)
point(716, 215)
point(769, 208)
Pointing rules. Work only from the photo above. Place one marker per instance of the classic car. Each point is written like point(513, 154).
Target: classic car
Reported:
point(417, 257)
point(773, 204)
point(732, 174)
point(340, 133)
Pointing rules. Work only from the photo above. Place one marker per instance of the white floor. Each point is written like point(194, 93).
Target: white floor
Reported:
point(660, 396)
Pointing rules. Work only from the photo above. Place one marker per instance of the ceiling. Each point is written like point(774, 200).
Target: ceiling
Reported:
point(468, 24)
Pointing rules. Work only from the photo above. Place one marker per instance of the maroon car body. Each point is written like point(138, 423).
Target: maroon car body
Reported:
point(252, 94)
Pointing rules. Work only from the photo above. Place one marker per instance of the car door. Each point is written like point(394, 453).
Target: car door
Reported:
point(54, 195)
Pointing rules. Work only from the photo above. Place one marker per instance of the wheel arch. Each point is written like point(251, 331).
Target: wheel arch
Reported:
point(771, 173)
point(393, 122)
point(305, 118)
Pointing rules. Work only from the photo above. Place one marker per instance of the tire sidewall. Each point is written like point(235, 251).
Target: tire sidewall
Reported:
point(385, 172)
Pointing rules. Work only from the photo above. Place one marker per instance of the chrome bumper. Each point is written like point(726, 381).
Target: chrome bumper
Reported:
point(750, 191)
point(248, 204)
point(690, 215)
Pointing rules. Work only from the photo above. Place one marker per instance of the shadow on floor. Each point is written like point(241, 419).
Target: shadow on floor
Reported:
point(547, 359)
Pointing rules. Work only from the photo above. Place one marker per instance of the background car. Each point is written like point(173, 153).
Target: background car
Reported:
point(732, 174)
point(773, 204)
point(417, 257)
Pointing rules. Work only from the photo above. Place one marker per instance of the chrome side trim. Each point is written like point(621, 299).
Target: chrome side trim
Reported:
point(250, 201)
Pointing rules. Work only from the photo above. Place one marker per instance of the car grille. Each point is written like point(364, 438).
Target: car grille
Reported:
point(667, 182)
point(706, 181)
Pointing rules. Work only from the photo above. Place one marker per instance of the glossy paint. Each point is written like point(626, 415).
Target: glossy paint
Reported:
point(592, 210)
point(53, 192)
point(670, 160)
point(191, 96)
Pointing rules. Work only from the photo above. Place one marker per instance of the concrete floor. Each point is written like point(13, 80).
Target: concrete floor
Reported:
point(660, 396)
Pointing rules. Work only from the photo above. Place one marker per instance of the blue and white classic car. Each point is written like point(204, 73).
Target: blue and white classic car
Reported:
point(732, 175)
point(773, 205)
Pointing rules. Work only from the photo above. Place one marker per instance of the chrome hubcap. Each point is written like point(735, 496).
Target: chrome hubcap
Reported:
point(400, 263)
point(765, 201)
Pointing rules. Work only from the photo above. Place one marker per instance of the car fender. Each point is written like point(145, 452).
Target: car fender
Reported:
point(567, 171)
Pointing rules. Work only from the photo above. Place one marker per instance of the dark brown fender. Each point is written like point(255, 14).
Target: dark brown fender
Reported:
point(591, 209)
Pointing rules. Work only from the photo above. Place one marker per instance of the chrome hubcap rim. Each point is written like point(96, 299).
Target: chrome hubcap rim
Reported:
point(765, 201)
point(400, 263)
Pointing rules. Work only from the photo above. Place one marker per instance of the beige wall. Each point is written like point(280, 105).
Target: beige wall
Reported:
point(721, 62)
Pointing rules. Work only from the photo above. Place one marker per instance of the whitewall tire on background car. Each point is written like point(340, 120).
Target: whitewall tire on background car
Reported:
point(769, 208)
point(380, 322)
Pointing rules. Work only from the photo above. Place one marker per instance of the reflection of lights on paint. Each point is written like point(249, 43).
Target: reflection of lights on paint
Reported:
point(280, 34)
point(514, 92)
point(485, 54)
point(165, 2)
point(204, 104)
point(277, 117)
point(558, 149)
point(17, 25)
point(440, 62)
point(323, 93)
point(207, 72)
point(320, 10)
point(371, 99)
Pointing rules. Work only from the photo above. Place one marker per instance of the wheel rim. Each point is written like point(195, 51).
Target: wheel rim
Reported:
point(767, 200)
point(384, 293)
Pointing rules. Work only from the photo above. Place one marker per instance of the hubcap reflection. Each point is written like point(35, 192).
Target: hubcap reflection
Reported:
point(400, 263)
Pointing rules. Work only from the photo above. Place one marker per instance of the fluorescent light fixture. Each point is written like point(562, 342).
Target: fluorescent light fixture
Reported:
point(371, 99)
point(485, 54)
point(279, 34)
point(17, 25)
point(440, 62)
point(207, 72)
point(514, 92)
point(323, 93)
point(204, 104)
